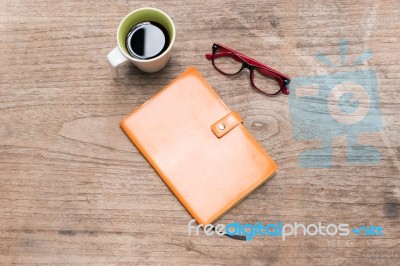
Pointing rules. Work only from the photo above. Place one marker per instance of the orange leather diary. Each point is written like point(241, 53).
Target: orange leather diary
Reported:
point(198, 146)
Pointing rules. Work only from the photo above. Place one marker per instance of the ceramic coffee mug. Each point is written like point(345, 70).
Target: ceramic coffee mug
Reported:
point(120, 55)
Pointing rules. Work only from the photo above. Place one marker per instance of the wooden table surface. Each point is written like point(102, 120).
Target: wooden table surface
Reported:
point(73, 189)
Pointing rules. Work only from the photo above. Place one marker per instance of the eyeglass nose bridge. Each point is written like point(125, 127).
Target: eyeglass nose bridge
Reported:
point(246, 65)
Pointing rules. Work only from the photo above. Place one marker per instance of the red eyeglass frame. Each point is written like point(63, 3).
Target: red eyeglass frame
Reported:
point(251, 64)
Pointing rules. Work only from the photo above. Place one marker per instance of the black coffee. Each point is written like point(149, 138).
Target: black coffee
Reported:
point(147, 40)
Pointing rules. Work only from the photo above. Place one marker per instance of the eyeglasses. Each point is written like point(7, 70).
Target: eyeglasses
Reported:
point(264, 79)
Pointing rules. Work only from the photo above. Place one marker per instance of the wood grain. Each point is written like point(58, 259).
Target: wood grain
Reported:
point(74, 190)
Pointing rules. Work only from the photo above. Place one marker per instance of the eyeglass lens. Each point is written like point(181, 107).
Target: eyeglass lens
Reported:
point(226, 62)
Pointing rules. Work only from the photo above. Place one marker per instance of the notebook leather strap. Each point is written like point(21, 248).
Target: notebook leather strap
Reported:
point(226, 124)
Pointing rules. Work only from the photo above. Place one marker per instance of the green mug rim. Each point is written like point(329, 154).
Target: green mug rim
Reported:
point(124, 20)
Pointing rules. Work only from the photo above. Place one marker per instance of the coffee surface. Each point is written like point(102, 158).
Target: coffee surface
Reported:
point(147, 40)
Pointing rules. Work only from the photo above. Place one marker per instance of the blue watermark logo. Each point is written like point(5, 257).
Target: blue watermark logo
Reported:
point(326, 106)
point(279, 229)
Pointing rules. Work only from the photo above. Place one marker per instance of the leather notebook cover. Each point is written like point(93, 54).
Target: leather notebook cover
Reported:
point(198, 146)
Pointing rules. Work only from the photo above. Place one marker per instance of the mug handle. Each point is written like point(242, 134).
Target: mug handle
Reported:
point(115, 59)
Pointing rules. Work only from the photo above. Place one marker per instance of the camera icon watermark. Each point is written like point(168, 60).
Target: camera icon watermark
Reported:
point(339, 104)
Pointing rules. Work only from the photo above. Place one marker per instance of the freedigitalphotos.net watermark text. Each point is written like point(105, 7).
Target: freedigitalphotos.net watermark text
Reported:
point(283, 230)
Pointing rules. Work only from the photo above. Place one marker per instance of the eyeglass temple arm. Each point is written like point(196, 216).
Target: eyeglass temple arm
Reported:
point(256, 63)
point(222, 54)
